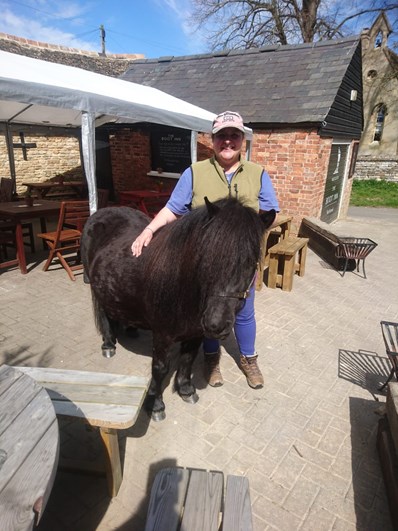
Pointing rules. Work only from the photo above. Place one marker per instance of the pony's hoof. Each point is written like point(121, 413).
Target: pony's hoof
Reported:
point(190, 399)
point(108, 352)
point(157, 416)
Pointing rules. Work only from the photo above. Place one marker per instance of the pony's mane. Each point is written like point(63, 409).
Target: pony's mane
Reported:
point(197, 250)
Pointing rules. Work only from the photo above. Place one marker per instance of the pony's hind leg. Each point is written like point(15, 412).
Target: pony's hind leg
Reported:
point(107, 329)
point(183, 383)
point(160, 367)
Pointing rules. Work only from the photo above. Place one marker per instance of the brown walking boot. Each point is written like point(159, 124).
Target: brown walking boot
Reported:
point(212, 370)
point(251, 370)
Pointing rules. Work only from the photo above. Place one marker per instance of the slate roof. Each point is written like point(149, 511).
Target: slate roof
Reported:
point(293, 84)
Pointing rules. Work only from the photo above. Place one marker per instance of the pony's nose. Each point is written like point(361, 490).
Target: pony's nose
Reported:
point(218, 330)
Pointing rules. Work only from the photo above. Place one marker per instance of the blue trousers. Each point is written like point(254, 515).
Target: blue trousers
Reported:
point(245, 330)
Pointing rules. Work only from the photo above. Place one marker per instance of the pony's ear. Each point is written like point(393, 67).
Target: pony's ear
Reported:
point(211, 208)
point(268, 217)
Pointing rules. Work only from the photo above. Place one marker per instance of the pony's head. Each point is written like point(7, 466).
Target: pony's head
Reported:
point(229, 261)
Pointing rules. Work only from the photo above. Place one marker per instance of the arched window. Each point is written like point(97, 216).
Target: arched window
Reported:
point(381, 112)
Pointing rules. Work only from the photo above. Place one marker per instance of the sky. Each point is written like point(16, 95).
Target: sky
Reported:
point(153, 28)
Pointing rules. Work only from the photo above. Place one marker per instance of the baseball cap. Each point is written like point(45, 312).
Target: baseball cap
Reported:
point(228, 119)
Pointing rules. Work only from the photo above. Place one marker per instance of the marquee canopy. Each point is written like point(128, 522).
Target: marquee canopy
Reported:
point(50, 94)
point(33, 91)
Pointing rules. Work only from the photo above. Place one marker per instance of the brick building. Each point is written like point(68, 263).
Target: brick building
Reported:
point(303, 102)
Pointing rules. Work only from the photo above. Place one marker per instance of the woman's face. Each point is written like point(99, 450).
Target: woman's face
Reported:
point(227, 145)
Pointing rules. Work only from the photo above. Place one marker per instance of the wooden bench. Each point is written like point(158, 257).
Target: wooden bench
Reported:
point(193, 500)
point(109, 402)
point(285, 259)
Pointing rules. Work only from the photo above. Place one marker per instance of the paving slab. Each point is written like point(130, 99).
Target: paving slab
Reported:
point(306, 441)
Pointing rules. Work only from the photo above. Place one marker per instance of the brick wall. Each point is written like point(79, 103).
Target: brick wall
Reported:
point(131, 160)
point(297, 163)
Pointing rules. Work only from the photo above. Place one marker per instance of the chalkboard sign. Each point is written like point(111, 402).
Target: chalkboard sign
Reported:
point(170, 149)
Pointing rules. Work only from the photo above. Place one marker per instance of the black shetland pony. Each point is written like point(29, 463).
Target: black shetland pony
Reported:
point(188, 283)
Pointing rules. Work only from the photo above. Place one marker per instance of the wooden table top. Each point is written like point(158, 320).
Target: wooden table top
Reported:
point(29, 449)
point(20, 210)
point(53, 184)
point(145, 194)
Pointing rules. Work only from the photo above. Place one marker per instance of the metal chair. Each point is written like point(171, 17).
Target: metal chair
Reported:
point(390, 337)
point(67, 240)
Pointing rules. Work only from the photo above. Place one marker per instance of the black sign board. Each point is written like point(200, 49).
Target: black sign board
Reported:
point(334, 182)
point(170, 149)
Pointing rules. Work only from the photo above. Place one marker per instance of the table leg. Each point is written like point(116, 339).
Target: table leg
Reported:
point(20, 248)
point(43, 228)
point(143, 208)
point(112, 460)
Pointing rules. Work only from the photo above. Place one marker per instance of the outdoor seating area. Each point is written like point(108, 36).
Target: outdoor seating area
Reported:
point(304, 446)
point(18, 214)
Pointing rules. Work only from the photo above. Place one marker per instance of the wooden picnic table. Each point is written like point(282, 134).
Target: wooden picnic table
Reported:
point(18, 211)
point(144, 200)
point(281, 227)
point(41, 189)
point(29, 449)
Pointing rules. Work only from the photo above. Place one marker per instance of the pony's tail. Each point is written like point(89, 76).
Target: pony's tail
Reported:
point(98, 313)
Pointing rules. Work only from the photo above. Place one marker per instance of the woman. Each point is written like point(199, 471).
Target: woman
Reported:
point(223, 175)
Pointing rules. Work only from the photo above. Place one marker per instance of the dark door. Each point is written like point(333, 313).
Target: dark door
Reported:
point(103, 165)
point(334, 182)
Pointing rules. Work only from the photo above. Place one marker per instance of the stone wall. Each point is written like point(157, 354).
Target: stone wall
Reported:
point(52, 157)
point(379, 169)
point(108, 64)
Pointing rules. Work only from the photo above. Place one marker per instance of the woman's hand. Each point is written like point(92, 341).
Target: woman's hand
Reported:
point(142, 240)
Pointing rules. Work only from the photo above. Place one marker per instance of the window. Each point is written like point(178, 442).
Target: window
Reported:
point(381, 112)
point(379, 40)
point(372, 74)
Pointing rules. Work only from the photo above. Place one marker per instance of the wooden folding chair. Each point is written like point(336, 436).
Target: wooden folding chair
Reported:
point(67, 240)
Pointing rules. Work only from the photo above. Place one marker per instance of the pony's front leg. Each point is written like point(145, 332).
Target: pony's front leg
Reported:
point(160, 367)
point(183, 383)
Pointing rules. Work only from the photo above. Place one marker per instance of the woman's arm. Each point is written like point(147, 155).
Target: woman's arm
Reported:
point(162, 218)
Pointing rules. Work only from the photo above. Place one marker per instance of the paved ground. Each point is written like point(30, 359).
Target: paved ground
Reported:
point(306, 441)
